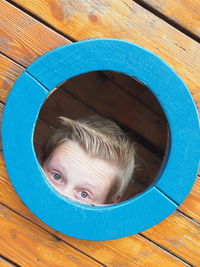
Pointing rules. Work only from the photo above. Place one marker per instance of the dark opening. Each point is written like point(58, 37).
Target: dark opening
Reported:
point(118, 97)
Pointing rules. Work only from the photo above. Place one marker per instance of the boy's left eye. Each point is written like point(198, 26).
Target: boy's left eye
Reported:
point(56, 176)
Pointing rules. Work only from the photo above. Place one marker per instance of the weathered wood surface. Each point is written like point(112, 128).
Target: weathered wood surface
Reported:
point(143, 28)
point(125, 20)
point(185, 13)
point(39, 246)
point(191, 205)
point(5, 263)
point(173, 242)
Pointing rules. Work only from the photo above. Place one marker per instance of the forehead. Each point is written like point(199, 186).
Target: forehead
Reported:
point(71, 156)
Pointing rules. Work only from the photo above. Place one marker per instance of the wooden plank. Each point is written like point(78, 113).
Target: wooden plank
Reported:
point(136, 89)
point(189, 238)
point(42, 132)
point(191, 205)
point(178, 233)
point(5, 263)
point(9, 72)
point(30, 245)
point(184, 13)
point(23, 38)
point(125, 20)
point(138, 252)
point(1, 113)
point(108, 99)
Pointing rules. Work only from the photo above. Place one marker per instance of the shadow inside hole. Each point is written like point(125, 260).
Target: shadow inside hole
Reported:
point(120, 98)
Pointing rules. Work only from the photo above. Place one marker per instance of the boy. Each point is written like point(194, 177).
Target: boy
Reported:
point(89, 160)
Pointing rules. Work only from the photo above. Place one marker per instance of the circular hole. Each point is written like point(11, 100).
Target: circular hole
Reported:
point(122, 99)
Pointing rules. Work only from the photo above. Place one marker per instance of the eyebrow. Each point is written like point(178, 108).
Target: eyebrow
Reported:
point(89, 185)
point(60, 167)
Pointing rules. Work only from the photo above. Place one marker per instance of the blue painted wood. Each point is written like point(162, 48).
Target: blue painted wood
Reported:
point(181, 168)
point(129, 217)
point(81, 221)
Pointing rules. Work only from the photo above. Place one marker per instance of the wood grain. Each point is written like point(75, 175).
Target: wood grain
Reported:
point(39, 247)
point(125, 20)
point(1, 115)
point(9, 72)
point(110, 100)
point(191, 205)
point(5, 263)
point(187, 239)
point(137, 90)
point(130, 250)
point(24, 39)
point(185, 13)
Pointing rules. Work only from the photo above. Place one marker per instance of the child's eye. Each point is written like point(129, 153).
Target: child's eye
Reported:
point(56, 176)
point(84, 194)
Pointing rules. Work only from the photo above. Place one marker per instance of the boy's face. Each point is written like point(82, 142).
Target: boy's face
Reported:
point(76, 175)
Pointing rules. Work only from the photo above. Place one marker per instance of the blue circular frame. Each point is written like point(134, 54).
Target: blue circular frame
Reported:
point(126, 218)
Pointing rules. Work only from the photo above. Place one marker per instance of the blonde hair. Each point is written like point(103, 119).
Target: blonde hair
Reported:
point(101, 138)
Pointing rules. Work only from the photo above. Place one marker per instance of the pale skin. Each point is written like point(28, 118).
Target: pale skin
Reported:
point(76, 175)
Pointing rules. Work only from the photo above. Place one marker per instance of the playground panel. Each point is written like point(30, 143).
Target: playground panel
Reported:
point(173, 241)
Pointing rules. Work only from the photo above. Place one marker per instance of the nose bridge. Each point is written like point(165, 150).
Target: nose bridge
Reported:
point(67, 191)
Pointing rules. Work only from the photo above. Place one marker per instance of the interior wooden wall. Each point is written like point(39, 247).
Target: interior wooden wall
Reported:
point(120, 98)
